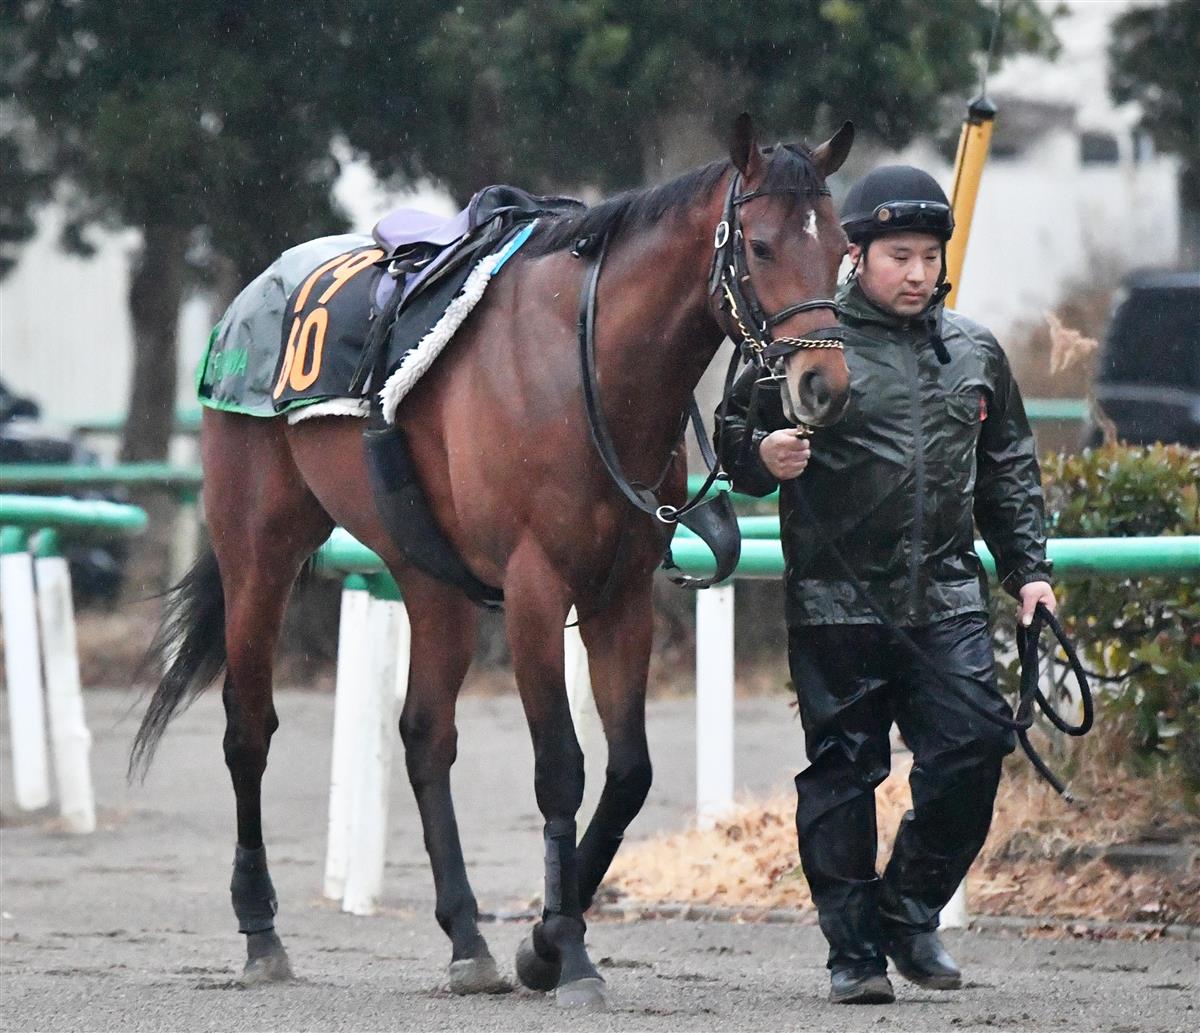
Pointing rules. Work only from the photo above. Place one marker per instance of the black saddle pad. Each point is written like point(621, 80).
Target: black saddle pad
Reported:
point(324, 327)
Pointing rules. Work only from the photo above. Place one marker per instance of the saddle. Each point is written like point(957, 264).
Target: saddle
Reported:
point(419, 244)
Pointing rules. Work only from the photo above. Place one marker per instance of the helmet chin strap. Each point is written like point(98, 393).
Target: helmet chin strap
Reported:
point(934, 311)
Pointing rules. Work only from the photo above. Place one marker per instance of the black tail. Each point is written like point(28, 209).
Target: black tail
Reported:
point(192, 636)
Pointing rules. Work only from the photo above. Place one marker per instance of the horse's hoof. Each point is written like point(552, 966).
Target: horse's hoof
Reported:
point(477, 976)
point(268, 968)
point(533, 970)
point(586, 994)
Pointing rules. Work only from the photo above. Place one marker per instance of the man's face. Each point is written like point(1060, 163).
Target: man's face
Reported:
point(900, 271)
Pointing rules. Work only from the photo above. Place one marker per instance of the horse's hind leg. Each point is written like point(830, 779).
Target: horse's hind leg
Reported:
point(250, 721)
point(443, 639)
point(264, 524)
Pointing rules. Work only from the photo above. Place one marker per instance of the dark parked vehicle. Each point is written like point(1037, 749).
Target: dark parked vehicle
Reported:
point(96, 570)
point(1148, 374)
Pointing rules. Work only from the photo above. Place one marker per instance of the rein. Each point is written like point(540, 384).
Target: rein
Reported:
point(1027, 649)
point(711, 519)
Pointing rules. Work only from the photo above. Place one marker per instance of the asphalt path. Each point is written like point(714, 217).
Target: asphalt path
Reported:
point(131, 929)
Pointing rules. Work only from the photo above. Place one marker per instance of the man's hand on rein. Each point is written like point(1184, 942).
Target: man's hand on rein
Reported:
point(785, 453)
point(1031, 594)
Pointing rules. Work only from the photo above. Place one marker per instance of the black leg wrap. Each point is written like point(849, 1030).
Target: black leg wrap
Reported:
point(253, 895)
point(562, 882)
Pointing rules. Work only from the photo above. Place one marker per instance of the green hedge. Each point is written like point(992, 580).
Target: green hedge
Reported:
point(1147, 626)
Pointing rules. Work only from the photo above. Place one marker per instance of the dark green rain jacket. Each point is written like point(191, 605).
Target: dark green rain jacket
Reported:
point(921, 451)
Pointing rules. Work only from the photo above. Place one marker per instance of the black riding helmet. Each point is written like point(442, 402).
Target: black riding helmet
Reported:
point(895, 199)
point(902, 199)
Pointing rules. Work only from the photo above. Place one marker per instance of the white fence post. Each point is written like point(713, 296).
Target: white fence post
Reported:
point(403, 653)
point(185, 539)
point(588, 728)
point(374, 748)
point(714, 703)
point(23, 667)
point(69, 733)
point(350, 687)
point(954, 914)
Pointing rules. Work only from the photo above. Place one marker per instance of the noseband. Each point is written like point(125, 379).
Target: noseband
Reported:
point(731, 276)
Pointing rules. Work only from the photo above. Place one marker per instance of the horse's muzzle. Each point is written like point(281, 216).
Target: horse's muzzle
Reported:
point(814, 387)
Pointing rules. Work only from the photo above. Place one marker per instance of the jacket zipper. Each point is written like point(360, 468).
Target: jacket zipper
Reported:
point(918, 523)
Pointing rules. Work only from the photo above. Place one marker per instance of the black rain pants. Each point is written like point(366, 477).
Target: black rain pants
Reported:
point(853, 682)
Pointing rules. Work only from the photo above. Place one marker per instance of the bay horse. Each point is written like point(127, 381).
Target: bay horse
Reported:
point(498, 434)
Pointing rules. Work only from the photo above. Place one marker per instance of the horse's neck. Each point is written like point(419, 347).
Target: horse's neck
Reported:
point(655, 334)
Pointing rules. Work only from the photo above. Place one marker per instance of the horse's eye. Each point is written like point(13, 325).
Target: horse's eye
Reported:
point(761, 250)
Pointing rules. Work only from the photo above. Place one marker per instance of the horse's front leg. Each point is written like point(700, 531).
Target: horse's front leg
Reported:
point(618, 644)
point(555, 957)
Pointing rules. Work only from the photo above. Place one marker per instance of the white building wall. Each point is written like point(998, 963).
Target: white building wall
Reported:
point(1045, 224)
point(65, 333)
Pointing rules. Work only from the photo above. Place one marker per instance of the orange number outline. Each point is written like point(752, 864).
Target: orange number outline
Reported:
point(313, 327)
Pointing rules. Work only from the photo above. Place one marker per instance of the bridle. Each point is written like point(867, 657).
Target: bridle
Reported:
point(730, 276)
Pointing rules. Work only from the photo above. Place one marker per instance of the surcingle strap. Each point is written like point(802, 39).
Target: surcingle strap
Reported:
point(404, 512)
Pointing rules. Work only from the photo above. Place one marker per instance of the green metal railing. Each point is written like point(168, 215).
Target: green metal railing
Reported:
point(70, 518)
point(762, 556)
point(1039, 409)
point(1073, 557)
point(187, 421)
point(180, 483)
point(184, 480)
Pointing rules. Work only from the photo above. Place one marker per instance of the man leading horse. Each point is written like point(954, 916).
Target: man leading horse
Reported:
point(934, 439)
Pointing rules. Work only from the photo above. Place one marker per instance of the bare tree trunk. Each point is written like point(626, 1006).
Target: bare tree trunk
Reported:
point(155, 295)
point(1189, 217)
point(488, 159)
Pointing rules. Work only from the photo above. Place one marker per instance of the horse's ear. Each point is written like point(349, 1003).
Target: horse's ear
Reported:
point(830, 155)
point(743, 147)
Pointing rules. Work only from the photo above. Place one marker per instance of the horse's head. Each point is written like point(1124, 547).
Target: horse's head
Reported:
point(776, 270)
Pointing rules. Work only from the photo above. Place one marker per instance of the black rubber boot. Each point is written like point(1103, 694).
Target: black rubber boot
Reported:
point(920, 958)
point(860, 985)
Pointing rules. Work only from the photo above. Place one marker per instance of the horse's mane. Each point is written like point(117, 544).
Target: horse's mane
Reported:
point(790, 170)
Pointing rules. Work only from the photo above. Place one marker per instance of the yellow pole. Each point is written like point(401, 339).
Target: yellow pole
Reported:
point(973, 147)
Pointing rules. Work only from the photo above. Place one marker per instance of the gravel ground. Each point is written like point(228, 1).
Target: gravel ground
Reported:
point(130, 928)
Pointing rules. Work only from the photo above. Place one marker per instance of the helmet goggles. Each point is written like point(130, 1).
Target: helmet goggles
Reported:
point(930, 216)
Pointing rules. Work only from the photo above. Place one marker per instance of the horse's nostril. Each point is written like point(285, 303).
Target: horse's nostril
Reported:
point(816, 389)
